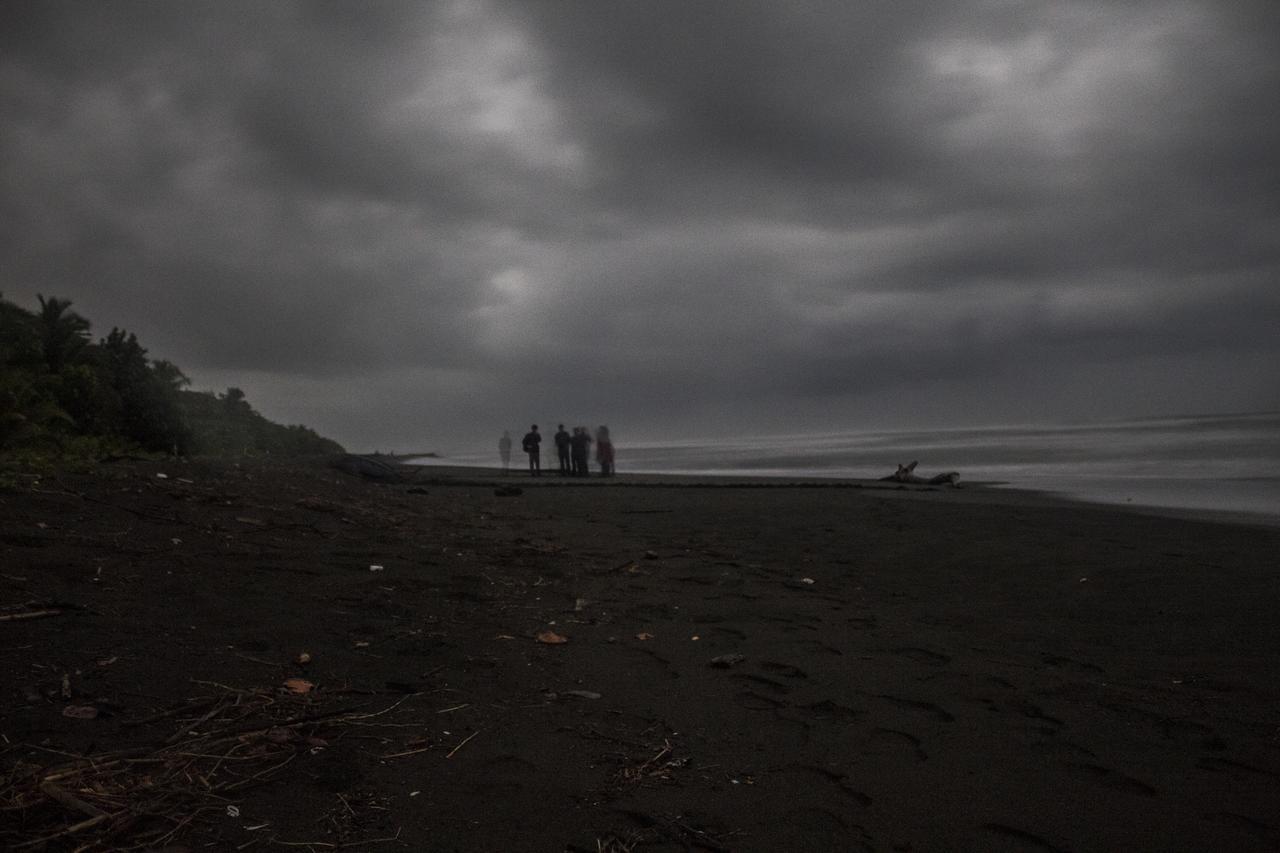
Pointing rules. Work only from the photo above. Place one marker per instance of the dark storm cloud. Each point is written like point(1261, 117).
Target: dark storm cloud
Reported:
point(403, 220)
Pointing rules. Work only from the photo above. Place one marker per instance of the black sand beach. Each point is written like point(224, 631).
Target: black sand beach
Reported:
point(733, 667)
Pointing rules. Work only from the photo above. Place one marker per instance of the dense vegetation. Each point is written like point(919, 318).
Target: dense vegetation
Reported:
point(61, 395)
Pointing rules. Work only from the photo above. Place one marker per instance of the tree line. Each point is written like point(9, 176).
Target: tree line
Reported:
point(63, 394)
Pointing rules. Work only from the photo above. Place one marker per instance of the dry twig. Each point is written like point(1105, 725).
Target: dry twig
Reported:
point(30, 614)
point(144, 798)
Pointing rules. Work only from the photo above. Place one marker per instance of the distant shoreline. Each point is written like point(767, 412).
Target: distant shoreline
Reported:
point(985, 491)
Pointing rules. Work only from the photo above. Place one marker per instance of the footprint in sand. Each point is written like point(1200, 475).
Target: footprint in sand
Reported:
point(882, 740)
point(807, 774)
point(786, 670)
point(935, 711)
point(753, 701)
point(1226, 765)
point(819, 646)
point(922, 655)
point(828, 709)
point(1021, 835)
point(760, 680)
point(1034, 712)
point(1113, 779)
point(1070, 663)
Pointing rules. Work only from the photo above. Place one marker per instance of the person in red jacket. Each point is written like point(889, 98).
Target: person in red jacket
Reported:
point(604, 451)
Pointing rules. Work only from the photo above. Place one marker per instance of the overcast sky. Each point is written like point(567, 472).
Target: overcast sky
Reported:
point(412, 225)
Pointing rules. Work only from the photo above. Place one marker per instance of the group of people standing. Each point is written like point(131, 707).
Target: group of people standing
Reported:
point(572, 449)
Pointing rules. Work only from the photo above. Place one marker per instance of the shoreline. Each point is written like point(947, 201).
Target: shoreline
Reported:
point(1017, 493)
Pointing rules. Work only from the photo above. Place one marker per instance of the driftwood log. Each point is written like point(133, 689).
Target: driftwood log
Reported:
point(907, 474)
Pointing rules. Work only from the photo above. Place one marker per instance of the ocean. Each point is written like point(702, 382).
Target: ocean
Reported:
point(1223, 463)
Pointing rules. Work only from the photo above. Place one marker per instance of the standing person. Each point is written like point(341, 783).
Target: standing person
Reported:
point(532, 444)
point(604, 451)
point(504, 451)
point(581, 447)
point(562, 449)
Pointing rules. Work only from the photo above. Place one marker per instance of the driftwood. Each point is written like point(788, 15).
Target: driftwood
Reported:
point(29, 614)
point(906, 474)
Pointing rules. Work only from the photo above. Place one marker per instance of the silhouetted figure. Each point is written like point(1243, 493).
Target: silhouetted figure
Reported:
point(604, 451)
point(580, 449)
point(563, 441)
point(504, 451)
point(532, 444)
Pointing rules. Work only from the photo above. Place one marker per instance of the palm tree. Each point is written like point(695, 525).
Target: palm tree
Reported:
point(64, 334)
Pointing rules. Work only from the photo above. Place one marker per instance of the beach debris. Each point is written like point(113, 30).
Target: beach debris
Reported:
point(695, 638)
point(579, 605)
point(551, 638)
point(1083, 580)
point(651, 555)
point(726, 661)
point(66, 686)
point(275, 734)
point(298, 685)
point(583, 694)
point(644, 635)
point(29, 614)
point(376, 568)
point(162, 476)
point(80, 712)
point(303, 658)
point(256, 522)
point(461, 745)
point(107, 802)
point(655, 767)
point(809, 581)
point(907, 474)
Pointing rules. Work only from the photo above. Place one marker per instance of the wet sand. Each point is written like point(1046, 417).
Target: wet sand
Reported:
point(899, 669)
